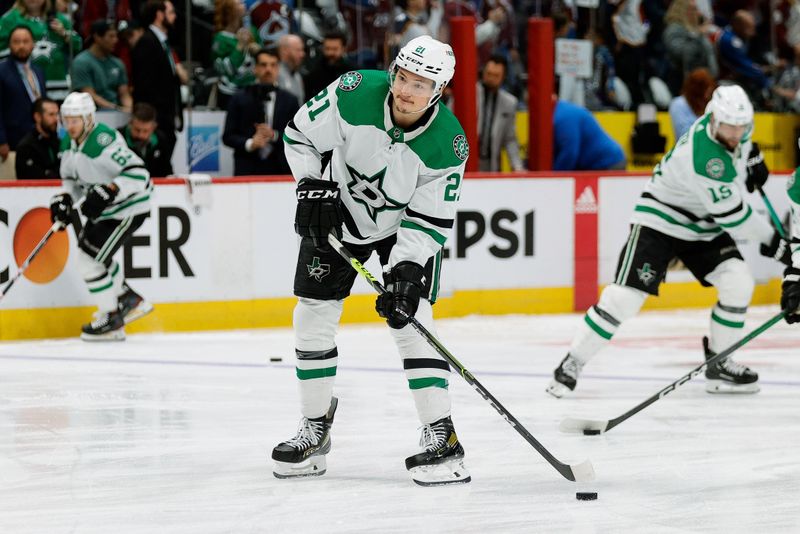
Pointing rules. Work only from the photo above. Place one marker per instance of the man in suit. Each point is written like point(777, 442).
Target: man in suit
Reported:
point(497, 118)
point(21, 83)
point(38, 152)
point(157, 76)
point(257, 116)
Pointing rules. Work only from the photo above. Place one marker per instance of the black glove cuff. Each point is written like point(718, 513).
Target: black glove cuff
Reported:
point(315, 190)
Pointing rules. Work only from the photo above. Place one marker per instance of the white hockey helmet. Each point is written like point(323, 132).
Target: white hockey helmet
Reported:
point(730, 105)
point(80, 105)
point(429, 58)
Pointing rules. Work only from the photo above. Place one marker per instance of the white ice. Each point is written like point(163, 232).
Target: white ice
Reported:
point(172, 433)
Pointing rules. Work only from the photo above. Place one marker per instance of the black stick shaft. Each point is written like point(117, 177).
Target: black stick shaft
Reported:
point(696, 371)
point(53, 229)
point(565, 469)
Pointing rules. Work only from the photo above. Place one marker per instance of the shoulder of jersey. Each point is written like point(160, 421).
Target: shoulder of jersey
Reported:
point(793, 186)
point(99, 138)
point(710, 159)
point(360, 83)
point(443, 144)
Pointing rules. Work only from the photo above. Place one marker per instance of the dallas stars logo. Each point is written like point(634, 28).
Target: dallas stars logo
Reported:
point(715, 167)
point(646, 274)
point(350, 81)
point(318, 270)
point(368, 191)
point(461, 147)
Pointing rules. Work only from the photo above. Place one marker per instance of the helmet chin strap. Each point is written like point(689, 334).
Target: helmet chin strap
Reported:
point(88, 123)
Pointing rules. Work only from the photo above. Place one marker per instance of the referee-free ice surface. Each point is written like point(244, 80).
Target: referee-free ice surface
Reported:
point(172, 433)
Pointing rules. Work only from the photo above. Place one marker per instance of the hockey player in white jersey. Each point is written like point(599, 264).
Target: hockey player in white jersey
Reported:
point(98, 167)
point(790, 295)
point(692, 209)
point(380, 161)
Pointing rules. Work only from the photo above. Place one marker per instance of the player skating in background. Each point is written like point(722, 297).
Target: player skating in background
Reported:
point(692, 209)
point(380, 161)
point(790, 297)
point(97, 166)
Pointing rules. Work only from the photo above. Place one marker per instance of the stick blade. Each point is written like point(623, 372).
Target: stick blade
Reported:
point(583, 472)
point(578, 426)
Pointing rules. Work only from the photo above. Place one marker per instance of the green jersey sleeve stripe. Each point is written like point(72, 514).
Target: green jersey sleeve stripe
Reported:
point(740, 221)
point(669, 219)
point(117, 209)
point(290, 141)
point(436, 236)
point(133, 176)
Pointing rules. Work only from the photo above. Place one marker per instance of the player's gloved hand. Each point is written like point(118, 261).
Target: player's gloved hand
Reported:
point(404, 287)
point(757, 172)
point(319, 210)
point(97, 199)
point(790, 295)
point(778, 249)
point(61, 209)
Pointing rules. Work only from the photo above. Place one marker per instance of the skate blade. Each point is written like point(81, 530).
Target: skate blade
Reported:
point(315, 466)
point(138, 312)
point(724, 387)
point(452, 472)
point(115, 335)
point(557, 389)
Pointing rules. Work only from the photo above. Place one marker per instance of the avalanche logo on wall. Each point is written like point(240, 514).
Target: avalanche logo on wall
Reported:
point(204, 148)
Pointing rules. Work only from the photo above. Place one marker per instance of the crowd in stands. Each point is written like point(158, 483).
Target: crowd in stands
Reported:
point(134, 56)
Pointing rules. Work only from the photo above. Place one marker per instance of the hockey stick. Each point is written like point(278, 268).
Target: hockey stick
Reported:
point(772, 214)
point(593, 427)
point(581, 472)
point(53, 229)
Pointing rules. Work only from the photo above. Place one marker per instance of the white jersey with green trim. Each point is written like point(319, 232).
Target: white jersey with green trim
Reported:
point(697, 191)
point(793, 190)
point(391, 180)
point(103, 158)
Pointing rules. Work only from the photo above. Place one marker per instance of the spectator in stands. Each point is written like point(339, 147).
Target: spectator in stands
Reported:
point(157, 76)
point(257, 117)
point(691, 103)
point(142, 136)
point(96, 71)
point(292, 51)
point(413, 18)
point(56, 42)
point(599, 88)
point(21, 83)
point(580, 144)
point(733, 51)
point(129, 33)
point(497, 118)
point(113, 11)
point(38, 152)
point(329, 65)
point(687, 42)
point(787, 88)
point(232, 49)
point(629, 57)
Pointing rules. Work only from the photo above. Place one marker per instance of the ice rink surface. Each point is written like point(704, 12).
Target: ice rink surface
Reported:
point(172, 433)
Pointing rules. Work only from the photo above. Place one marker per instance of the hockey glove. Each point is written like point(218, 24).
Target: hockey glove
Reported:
point(97, 199)
point(61, 209)
point(404, 287)
point(790, 296)
point(757, 172)
point(778, 249)
point(319, 210)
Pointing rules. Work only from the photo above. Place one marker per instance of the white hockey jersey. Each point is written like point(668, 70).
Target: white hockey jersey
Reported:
point(391, 180)
point(794, 202)
point(103, 158)
point(696, 191)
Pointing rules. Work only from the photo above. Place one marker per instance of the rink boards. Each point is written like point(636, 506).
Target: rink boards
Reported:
point(222, 254)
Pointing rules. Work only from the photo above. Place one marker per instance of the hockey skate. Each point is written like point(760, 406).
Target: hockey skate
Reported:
point(106, 326)
point(565, 377)
point(727, 376)
point(442, 458)
point(132, 306)
point(304, 454)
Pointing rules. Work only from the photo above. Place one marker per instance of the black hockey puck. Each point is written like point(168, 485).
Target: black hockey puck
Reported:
point(590, 432)
point(586, 496)
point(276, 359)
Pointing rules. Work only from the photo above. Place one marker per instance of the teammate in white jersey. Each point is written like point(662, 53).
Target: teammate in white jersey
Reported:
point(380, 162)
point(692, 209)
point(790, 297)
point(98, 167)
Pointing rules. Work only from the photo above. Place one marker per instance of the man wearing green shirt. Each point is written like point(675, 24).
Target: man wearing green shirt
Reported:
point(97, 72)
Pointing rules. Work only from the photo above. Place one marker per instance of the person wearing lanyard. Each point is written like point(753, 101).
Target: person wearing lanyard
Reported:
point(38, 152)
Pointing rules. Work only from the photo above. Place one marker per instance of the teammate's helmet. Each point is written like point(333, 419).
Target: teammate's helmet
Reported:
point(730, 105)
point(429, 58)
